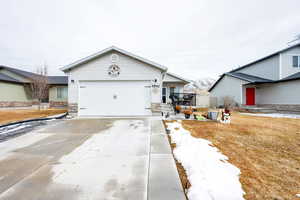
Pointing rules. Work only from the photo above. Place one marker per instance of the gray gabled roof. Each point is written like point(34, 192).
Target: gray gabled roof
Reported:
point(113, 48)
point(292, 77)
point(178, 77)
point(249, 78)
point(58, 80)
point(22, 73)
point(242, 76)
point(264, 58)
point(255, 79)
point(4, 77)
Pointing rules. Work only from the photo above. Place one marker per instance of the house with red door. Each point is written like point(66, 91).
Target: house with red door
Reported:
point(272, 81)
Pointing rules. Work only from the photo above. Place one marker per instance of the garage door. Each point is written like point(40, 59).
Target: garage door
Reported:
point(114, 98)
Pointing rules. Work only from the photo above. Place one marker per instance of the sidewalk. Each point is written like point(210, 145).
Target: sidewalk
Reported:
point(164, 182)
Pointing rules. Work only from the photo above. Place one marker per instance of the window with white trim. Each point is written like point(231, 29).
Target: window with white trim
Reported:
point(62, 92)
point(296, 61)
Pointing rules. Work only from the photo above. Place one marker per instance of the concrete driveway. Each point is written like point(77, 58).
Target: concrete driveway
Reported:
point(105, 159)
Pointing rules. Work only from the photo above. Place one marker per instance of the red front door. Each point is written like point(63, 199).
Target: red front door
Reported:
point(250, 96)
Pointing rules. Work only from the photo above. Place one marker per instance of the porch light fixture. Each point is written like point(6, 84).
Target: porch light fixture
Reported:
point(155, 83)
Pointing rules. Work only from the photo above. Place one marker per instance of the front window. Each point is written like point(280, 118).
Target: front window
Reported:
point(172, 90)
point(296, 61)
point(62, 92)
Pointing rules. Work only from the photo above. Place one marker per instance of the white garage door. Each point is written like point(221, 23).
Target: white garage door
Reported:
point(114, 98)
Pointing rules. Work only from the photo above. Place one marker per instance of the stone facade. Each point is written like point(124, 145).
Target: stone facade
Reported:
point(281, 107)
point(73, 109)
point(4, 104)
point(58, 104)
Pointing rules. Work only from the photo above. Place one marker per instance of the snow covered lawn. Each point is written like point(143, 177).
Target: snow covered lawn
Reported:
point(275, 115)
point(266, 150)
point(210, 175)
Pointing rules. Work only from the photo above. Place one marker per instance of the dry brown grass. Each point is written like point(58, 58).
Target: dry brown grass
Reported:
point(181, 171)
point(267, 151)
point(7, 116)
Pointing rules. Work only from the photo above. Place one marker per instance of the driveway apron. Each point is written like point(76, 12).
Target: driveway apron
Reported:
point(103, 159)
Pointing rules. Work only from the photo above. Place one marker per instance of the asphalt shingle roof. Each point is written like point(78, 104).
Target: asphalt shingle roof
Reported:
point(25, 74)
point(4, 77)
point(59, 80)
point(249, 78)
point(292, 77)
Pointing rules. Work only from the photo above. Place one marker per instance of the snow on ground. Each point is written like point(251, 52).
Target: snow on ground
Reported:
point(275, 115)
point(210, 175)
point(13, 128)
point(8, 132)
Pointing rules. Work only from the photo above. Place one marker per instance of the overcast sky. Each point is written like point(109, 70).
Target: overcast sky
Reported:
point(193, 38)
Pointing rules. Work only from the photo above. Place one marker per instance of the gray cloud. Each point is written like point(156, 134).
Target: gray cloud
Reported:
point(193, 38)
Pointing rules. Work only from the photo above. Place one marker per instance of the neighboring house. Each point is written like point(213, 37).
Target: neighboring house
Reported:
point(58, 91)
point(114, 82)
point(15, 88)
point(272, 81)
point(172, 84)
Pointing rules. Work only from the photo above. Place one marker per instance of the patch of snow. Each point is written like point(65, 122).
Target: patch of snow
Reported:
point(16, 127)
point(274, 115)
point(210, 175)
point(13, 128)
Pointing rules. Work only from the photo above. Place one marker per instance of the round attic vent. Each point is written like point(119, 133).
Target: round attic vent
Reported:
point(114, 70)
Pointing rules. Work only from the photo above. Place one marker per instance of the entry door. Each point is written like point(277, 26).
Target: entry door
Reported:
point(164, 95)
point(250, 96)
point(114, 98)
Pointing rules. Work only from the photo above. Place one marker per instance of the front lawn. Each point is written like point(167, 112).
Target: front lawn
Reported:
point(7, 116)
point(267, 151)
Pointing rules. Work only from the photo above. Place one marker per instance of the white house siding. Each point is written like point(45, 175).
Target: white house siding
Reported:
point(228, 87)
point(97, 69)
point(287, 68)
point(170, 78)
point(279, 93)
point(268, 68)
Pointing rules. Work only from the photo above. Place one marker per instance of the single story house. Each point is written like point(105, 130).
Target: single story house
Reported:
point(15, 88)
point(115, 82)
point(272, 81)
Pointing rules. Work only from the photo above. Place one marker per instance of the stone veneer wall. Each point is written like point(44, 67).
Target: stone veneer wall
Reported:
point(282, 107)
point(58, 104)
point(4, 104)
point(73, 109)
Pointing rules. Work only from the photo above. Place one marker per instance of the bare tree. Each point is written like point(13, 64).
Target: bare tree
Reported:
point(229, 102)
point(39, 85)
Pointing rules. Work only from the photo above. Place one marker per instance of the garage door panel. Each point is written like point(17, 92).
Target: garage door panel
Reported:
point(114, 98)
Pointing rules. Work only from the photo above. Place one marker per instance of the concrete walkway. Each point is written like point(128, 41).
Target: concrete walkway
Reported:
point(104, 159)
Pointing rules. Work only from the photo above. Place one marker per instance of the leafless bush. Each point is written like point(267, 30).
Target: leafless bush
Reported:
point(229, 102)
point(39, 85)
point(213, 102)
